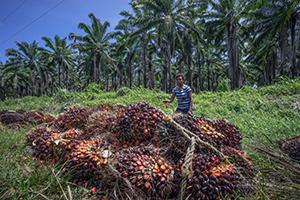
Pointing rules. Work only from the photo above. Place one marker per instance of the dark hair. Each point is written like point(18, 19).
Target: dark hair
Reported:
point(180, 74)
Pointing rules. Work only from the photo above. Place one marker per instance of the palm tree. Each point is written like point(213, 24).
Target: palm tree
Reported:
point(2, 94)
point(272, 21)
point(14, 74)
point(61, 54)
point(224, 19)
point(141, 41)
point(96, 43)
point(165, 16)
point(28, 55)
point(125, 47)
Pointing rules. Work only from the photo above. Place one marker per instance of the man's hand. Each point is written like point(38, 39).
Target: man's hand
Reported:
point(166, 101)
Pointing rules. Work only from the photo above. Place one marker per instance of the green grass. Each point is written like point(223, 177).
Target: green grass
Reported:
point(262, 114)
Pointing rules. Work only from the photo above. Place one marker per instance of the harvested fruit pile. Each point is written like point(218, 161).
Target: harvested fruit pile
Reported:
point(291, 146)
point(21, 118)
point(145, 153)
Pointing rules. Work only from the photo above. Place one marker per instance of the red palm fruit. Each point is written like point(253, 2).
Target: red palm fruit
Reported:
point(162, 167)
point(160, 162)
point(124, 174)
point(133, 180)
point(93, 189)
point(154, 175)
point(146, 177)
point(139, 163)
point(140, 177)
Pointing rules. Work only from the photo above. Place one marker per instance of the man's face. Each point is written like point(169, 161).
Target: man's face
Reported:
point(179, 80)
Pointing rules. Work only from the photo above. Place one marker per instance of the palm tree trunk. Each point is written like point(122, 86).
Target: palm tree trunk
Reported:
point(295, 35)
point(208, 76)
point(151, 76)
point(169, 67)
point(129, 69)
point(274, 63)
point(139, 77)
point(164, 79)
point(46, 84)
point(67, 77)
point(32, 79)
point(235, 71)
point(107, 82)
point(120, 65)
point(96, 69)
point(180, 64)
point(52, 85)
point(200, 73)
point(189, 65)
point(283, 49)
point(145, 65)
point(58, 73)
point(42, 87)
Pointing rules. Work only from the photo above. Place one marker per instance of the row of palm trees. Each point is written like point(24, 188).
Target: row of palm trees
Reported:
point(246, 42)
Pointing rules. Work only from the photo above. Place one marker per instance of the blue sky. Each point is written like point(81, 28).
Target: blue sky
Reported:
point(62, 20)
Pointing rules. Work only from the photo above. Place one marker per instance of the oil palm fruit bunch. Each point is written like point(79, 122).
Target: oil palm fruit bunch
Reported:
point(137, 123)
point(33, 117)
point(10, 117)
point(103, 107)
point(291, 146)
point(146, 170)
point(233, 137)
point(212, 178)
point(74, 117)
point(240, 160)
point(49, 118)
point(168, 136)
point(200, 127)
point(87, 156)
point(74, 134)
point(44, 145)
point(21, 111)
point(34, 134)
point(101, 121)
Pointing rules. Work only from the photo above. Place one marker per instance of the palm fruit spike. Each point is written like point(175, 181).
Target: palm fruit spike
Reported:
point(233, 137)
point(33, 117)
point(49, 118)
point(200, 127)
point(239, 159)
point(145, 169)
point(75, 134)
point(87, 156)
point(168, 136)
point(212, 178)
point(137, 123)
point(75, 117)
point(291, 146)
point(10, 117)
point(44, 146)
point(103, 107)
point(34, 134)
point(100, 121)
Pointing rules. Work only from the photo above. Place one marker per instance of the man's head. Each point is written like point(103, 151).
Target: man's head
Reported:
point(180, 75)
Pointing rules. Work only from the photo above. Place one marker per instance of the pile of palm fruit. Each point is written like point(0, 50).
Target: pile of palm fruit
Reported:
point(291, 146)
point(146, 153)
point(22, 118)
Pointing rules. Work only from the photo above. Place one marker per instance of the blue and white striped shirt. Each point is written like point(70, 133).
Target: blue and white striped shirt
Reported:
point(183, 99)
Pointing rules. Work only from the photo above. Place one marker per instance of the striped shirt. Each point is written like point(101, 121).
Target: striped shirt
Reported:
point(183, 99)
